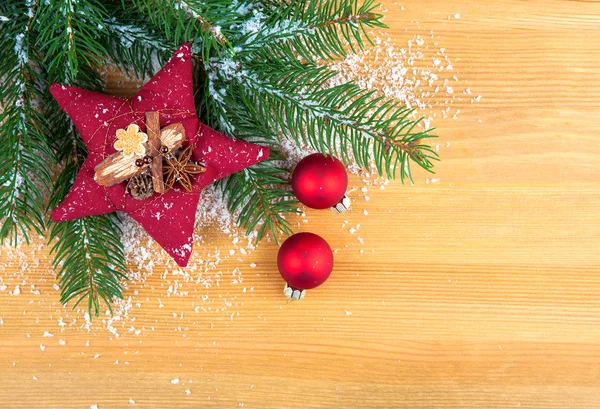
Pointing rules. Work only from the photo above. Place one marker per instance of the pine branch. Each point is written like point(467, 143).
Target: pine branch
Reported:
point(185, 20)
point(292, 98)
point(88, 257)
point(322, 29)
point(134, 46)
point(262, 78)
point(70, 34)
point(197, 9)
point(88, 254)
point(24, 174)
point(263, 93)
point(260, 197)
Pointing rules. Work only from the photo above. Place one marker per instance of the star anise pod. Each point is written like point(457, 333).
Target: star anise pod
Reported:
point(179, 169)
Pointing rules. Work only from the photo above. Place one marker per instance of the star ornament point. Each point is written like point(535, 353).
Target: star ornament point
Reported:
point(168, 217)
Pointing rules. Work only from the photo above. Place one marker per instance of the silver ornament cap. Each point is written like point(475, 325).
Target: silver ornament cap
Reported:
point(341, 206)
point(293, 294)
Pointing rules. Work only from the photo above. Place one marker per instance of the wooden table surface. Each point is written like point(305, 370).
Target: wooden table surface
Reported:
point(479, 291)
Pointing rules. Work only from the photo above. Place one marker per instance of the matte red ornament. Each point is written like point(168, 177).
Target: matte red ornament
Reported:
point(169, 218)
point(319, 181)
point(305, 261)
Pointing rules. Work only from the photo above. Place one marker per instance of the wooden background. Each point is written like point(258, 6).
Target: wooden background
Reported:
point(483, 290)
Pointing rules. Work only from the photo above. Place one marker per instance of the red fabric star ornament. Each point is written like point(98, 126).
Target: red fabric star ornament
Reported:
point(169, 218)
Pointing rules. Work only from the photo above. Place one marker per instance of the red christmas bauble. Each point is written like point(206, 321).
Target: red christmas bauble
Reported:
point(319, 181)
point(305, 261)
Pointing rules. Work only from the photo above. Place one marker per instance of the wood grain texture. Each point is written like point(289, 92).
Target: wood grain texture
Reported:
point(483, 290)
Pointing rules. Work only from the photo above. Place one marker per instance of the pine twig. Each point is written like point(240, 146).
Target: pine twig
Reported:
point(293, 98)
point(24, 174)
point(88, 254)
point(182, 21)
point(134, 45)
point(322, 29)
point(88, 257)
point(258, 196)
point(351, 18)
point(205, 25)
point(70, 38)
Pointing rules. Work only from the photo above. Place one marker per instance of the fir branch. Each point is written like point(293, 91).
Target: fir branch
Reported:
point(88, 257)
point(195, 9)
point(134, 46)
point(261, 79)
point(322, 29)
point(24, 174)
point(259, 196)
point(70, 38)
point(263, 92)
point(292, 98)
point(185, 20)
point(88, 253)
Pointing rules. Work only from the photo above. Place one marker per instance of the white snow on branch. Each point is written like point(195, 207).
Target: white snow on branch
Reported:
point(255, 24)
point(20, 50)
point(196, 12)
point(242, 7)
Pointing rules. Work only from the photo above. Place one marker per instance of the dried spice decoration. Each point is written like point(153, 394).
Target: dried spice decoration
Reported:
point(130, 141)
point(117, 168)
point(140, 186)
point(180, 169)
point(161, 142)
